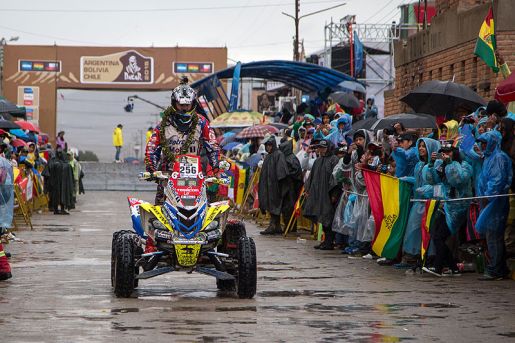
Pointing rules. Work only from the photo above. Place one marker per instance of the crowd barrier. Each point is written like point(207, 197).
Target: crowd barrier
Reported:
point(29, 196)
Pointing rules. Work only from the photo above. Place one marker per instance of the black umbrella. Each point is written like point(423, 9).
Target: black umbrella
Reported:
point(6, 116)
point(409, 120)
point(442, 97)
point(364, 124)
point(6, 124)
point(345, 99)
point(7, 107)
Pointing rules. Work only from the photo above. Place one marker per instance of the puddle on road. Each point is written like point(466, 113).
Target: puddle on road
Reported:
point(124, 310)
point(321, 293)
point(78, 261)
point(53, 229)
point(507, 334)
point(272, 278)
point(43, 241)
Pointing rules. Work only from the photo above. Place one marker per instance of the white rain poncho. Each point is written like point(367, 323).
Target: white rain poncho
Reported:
point(6, 193)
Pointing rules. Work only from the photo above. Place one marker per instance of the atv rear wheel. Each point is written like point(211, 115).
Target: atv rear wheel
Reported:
point(247, 269)
point(124, 266)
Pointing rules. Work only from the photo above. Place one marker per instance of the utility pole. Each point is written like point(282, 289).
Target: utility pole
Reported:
point(297, 18)
point(296, 43)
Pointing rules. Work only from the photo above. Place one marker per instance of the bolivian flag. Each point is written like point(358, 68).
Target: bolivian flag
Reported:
point(428, 220)
point(390, 203)
point(486, 45)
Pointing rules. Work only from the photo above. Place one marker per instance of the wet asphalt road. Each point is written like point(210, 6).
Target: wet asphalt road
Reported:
point(61, 292)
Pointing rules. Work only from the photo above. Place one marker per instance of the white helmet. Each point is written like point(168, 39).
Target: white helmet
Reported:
point(183, 94)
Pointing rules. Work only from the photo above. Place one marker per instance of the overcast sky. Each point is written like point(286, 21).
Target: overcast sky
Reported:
point(251, 29)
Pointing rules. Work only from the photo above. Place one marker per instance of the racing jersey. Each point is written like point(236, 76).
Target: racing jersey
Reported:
point(203, 137)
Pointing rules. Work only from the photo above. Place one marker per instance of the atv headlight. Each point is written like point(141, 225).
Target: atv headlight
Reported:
point(158, 225)
point(211, 226)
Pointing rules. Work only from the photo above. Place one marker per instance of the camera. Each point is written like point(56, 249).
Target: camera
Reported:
point(389, 131)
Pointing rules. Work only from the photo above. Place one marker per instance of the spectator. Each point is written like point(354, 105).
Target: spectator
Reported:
point(270, 190)
point(451, 179)
point(59, 183)
point(148, 135)
point(371, 110)
point(60, 142)
point(292, 184)
point(405, 156)
point(421, 190)
point(321, 199)
point(495, 179)
point(118, 142)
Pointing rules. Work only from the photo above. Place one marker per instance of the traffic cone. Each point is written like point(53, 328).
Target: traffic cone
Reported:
point(5, 268)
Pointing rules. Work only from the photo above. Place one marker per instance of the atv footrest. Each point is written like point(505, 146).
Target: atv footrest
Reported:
point(216, 273)
point(154, 272)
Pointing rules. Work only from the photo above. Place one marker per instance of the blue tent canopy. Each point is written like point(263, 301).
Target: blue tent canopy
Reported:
point(304, 76)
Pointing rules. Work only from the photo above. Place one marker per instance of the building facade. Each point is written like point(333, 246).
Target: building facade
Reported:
point(445, 50)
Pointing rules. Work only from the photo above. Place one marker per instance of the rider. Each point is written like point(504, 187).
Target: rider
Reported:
point(181, 131)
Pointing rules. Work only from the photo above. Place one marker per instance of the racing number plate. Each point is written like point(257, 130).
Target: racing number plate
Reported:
point(187, 254)
point(188, 167)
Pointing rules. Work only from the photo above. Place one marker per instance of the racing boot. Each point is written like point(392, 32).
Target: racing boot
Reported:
point(5, 268)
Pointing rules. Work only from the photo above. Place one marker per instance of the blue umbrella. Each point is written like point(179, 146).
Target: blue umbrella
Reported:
point(230, 146)
point(19, 133)
point(254, 160)
point(229, 134)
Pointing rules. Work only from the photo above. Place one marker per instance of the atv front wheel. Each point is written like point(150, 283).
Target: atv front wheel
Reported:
point(124, 268)
point(234, 230)
point(247, 270)
point(113, 252)
point(226, 285)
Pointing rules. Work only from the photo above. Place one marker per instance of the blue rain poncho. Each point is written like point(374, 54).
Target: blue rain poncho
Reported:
point(495, 178)
point(6, 193)
point(422, 190)
point(338, 135)
point(451, 180)
point(405, 161)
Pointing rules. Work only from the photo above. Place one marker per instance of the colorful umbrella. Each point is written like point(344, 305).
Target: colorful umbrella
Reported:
point(505, 91)
point(258, 131)
point(19, 133)
point(27, 125)
point(18, 143)
point(270, 128)
point(237, 119)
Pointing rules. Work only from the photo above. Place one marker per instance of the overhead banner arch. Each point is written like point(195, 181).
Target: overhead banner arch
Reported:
point(32, 74)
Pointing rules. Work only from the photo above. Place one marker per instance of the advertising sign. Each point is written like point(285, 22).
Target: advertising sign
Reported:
point(193, 67)
point(28, 96)
point(48, 66)
point(127, 67)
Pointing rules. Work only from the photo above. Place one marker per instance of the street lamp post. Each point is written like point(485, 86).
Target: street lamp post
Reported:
point(297, 19)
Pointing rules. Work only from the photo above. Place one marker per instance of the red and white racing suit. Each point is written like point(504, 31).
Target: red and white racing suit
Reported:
point(204, 137)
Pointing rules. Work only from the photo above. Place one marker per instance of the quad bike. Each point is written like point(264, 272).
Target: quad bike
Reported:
point(186, 233)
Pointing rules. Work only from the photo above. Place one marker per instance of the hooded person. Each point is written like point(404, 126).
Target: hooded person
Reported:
point(274, 172)
point(496, 178)
point(422, 190)
point(6, 211)
point(319, 205)
point(448, 130)
point(59, 183)
point(371, 109)
point(340, 132)
point(507, 129)
point(451, 178)
point(406, 156)
point(293, 181)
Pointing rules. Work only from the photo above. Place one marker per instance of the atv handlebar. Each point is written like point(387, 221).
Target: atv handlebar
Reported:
point(159, 175)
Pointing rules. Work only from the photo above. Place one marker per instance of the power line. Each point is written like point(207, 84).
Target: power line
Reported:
point(156, 9)
point(378, 11)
